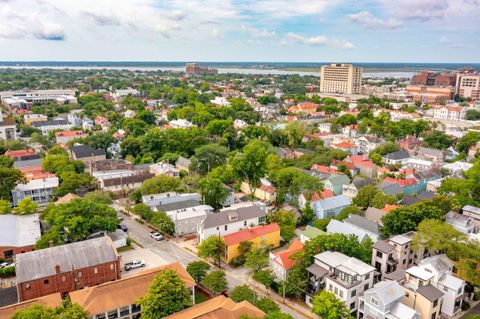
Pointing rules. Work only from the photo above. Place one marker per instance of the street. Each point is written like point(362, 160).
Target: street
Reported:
point(156, 253)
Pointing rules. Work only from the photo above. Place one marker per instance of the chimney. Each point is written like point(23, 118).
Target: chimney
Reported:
point(57, 269)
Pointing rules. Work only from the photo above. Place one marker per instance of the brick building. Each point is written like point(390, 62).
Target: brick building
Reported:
point(431, 78)
point(18, 234)
point(66, 268)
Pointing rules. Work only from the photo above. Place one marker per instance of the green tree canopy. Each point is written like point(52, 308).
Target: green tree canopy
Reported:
point(215, 281)
point(207, 157)
point(287, 222)
point(328, 306)
point(212, 247)
point(65, 311)
point(213, 192)
point(26, 207)
point(166, 295)
point(198, 269)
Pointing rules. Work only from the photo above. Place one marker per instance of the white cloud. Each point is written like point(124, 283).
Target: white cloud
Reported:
point(258, 33)
point(367, 20)
point(279, 9)
point(215, 33)
point(445, 40)
point(450, 43)
point(316, 41)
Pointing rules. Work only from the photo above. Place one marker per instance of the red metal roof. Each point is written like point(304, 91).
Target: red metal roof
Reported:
point(250, 233)
point(285, 255)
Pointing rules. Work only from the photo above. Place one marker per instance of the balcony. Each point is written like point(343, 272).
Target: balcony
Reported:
point(392, 261)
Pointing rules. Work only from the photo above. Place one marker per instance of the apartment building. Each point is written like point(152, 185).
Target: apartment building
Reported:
point(66, 268)
point(346, 277)
point(26, 99)
point(396, 253)
point(340, 78)
point(448, 112)
point(164, 169)
point(230, 220)
point(468, 86)
point(385, 300)
point(39, 190)
point(119, 299)
point(431, 94)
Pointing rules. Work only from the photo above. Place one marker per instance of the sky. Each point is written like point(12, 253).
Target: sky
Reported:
point(235, 30)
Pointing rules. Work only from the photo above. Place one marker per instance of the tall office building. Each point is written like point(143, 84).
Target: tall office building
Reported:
point(340, 78)
point(468, 85)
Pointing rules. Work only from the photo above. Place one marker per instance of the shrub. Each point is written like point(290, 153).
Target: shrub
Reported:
point(7, 272)
point(465, 306)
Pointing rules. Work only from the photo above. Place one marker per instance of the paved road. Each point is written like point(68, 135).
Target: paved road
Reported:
point(168, 252)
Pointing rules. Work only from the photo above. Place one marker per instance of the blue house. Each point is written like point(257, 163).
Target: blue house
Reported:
point(330, 207)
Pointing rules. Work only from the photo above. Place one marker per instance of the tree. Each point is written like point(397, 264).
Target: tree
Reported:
point(328, 306)
point(468, 140)
point(5, 207)
point(215, 281)
point(100, 197)
point(212, 247)
point(365, 196)
point(65, 311)
point(161, 184)
point(241, 293)
point(267, 305)
point(256, 258)
point(163, 222)
point(70, 182)
point(287, 222)
point(380, 200)
point(344, 213)
point(438, 140)
point(277, 315)
point(26, 207)
point(265, 277)
point(6, 161)
point(473, 115)
point(213, 192)
point(198, 270)
point(308, 214)
point(207, 157)
point(250, 165)
point(9, 177)
point(166, 295)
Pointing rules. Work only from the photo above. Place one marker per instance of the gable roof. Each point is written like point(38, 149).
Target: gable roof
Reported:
point(430, 292)
point(335, 226)
point(41, 263)
point(225, 217)
point(333, 202)
point(53, 300)
point(219, 307)
point(285, 255)
point(250, 233)
point(363, 223)
point(387, 291)
point(312, 232)
point(375, 214)
point(337, 179)
point(383, 246)
point(82, 151)
point(125, 291)
point(398, 155)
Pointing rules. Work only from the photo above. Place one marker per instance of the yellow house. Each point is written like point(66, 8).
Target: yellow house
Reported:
point(259, 235)
point(263, 192)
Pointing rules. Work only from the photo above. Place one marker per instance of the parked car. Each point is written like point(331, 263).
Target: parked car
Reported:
point(156, 235)
point(3, 265)
point(134, 264)
point(123, 227)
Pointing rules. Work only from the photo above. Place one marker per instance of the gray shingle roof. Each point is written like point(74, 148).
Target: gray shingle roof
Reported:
point(50, 123)
point(363, 223)
point(178, 205)
point(410, 200)
point(81, 151)
point(41, 263)
point(430, 292)
point(398, 155)
point(223, 218)
point(383, 246)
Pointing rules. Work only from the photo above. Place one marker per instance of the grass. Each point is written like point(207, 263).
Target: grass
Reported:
point(125, 248)
point(138, 220)
point(136, 242)
point(200, 297)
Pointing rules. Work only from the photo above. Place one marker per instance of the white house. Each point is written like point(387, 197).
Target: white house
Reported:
point(164, 169)
point(55, 124)
point(220, 101)
point(158, 200)
point(384, 300)
point(39, 190)
point(324, 127)
point(419, 164)
point(230, 220)
point(180, 123)
point(400, 157)
point(448, 112)
point(461, 222)
point(281, 261)
point(346, 277)
point(186, 220)
point(355, 225)
point(8, 128)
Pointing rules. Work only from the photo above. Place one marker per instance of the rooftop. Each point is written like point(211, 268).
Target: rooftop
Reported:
point(53, 300)
point(228, 216)
point(430, 292)
point(250, 233)
point(82, 151)
point(286, 254)
point(19, 230)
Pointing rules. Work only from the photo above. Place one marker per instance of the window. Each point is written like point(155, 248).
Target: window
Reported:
point(336, 290)
point(100, 316)
point(367, 276)
point(124, 311)
point(330, 287)
point(435, 303)
point(28, 286)
point(262, 219)
point(434, 315)
point(64, 278)
point(374, 301)
point(244, 223)
point(95, 270)
point(354, 293)
point(341, 293)
point(113, 314)
point(111, 266)
point(407, 294)
point(352, 306)
point(365, 287)
point(218, 228)
point(136, 308)
point(79, 274)
point(226, 227)
point(379, 254)
point(46, 282)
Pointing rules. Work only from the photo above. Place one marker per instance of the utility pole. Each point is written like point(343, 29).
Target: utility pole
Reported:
point(283, 292)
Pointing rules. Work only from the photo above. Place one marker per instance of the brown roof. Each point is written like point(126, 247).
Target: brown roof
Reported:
point(65, 199)
point(430, 292)
point(123, 292)
point(126, 180)
point(8, 122)
point(53, 300)
point(219, 308)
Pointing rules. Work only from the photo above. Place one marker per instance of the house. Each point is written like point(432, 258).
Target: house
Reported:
point(19, 234)
point(457, 168)
point(420, 164)
point(355, 225)
point(52, 125)
point(28, 119)
point(281, 261)
point(187, 219)
point(103, 122)
point(109, 168)
point(330, 207)
point(407, 186)
point(346, 146)
point(375, 214)
point(230, 198)
point(462, 223)
point(239, 124)
point(302, 151)
point(164, 169)
point(346, 277)
point(351, 190)
point(325, 127)
point(433, 280)
point(338, 165)
point(65, 136)
point(285, 153)
point(472, 212)
point(396, 158)
point(266, 191)
point(118, 237)
point(364, 165)
point(129, 114)
point(258, 236)
point(8, 128)
point(219, 307)
point(66, 268)
point(180, 123)
point(365, 144)
point(230, 220)
point(409, 143)
point(124, 184)
point(118, 299)
point(335, 183)
point(66, 199)
point(22, 155)
point(87, 154)
point(448, 112)
point(396, 253)
point(423, 178)
point(350, 131)
point(52, 301)
point(171, 201)
point(385, 300)
point(309, 233)
point(39, 190)
point(431, 154)
point(183, 164)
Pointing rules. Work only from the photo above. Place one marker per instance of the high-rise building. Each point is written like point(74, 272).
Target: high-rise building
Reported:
point(340, 78)
point(468, 85)
point(194, 68)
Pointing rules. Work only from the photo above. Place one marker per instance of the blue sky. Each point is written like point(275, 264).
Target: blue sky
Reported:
point(234, 30)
